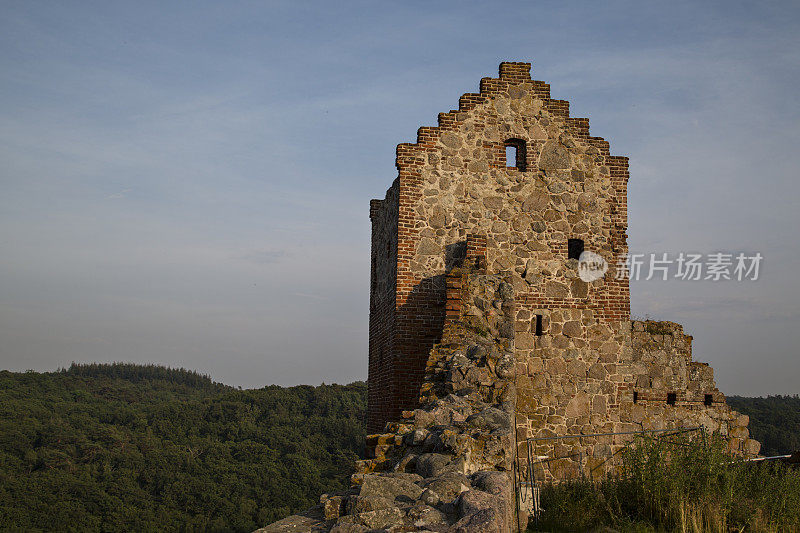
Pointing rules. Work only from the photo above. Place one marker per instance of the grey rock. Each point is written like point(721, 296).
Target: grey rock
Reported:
point(478, 166)
point(362, 504)
point(450, 140)
point(579, 288)
point(423, 515)
point(438, 217)
point(428, 247)
point(554, 289)
point(393, 487)
point(403, 476)
point(476, 351)
point(572, 329)
point(587, 202)
point(484, 521)
point(488, 511)
point(447, 486)
point(517, 92)
point(459, 359)
point(493, 353)
point(506, 330)
point(538, 226)
point(506, 291)
point(423, 418)
point(505, 367)
point(333, 505)
point(554, 156)
point(346, 524)
point(312, 520)
point(430, 497)
point(408, 463)
point(493, 202)
point(418, 436)
point(536, 201)
point(381, 518)
point(432, 464)
point(489, 419)
point(492, 482)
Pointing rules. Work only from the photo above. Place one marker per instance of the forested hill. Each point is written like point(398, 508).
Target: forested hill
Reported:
point(141, 448)
point(774, 421)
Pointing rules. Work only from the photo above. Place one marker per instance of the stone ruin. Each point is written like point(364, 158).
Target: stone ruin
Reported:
point(482, 333)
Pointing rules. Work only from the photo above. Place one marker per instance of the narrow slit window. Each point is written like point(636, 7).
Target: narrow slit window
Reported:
point(516, 156)
point(574, 248)
point(537, 325)
point(635, 396)
point(671, 398)
point(709, 399)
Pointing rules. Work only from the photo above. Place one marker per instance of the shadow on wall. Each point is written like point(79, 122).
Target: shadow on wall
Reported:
point(422, 318)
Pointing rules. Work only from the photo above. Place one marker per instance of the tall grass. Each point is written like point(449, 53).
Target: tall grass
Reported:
point(678, 484)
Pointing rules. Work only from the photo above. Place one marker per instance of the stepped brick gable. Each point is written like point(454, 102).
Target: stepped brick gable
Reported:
point(580, 358)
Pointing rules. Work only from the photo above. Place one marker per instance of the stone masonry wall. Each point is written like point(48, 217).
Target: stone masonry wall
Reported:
point(661, 363)
point(455, 181)
point(571, 379)
point(584, 376)
point(576, 351)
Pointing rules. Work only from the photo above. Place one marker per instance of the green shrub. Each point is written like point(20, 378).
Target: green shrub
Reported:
point(678, 484)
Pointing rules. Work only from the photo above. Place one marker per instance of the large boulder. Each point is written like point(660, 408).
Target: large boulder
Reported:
point(393, 487)
point(490, 419)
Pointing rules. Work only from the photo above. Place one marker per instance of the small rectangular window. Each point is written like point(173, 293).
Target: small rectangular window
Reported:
point(516, 154)
point(511, 156)
point(537, 325)
point(709, 399)
point(635, 397)
point(574, 248)
point(671, 398)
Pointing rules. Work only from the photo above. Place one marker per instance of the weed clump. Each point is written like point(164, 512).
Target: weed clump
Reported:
point(678, 484)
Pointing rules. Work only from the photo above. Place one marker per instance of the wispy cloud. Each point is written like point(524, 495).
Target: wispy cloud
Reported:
point(117, 195)
point(264, 257)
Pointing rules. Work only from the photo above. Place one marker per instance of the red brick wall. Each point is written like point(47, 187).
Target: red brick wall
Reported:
point(383, 275)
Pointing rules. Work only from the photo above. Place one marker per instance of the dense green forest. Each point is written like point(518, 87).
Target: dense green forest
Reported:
point(143, 448)
point(774, 421)
point(140, 448)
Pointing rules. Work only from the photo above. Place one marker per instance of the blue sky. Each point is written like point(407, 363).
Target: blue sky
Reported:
point(187, 183)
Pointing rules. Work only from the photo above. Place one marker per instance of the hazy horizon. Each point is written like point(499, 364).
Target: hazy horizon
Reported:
point(188, 184)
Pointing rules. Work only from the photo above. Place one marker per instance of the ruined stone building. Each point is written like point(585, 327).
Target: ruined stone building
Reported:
point(510, 165)
point(482, 334)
